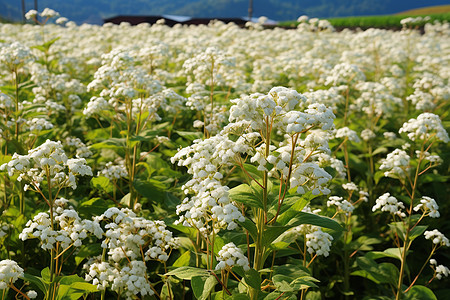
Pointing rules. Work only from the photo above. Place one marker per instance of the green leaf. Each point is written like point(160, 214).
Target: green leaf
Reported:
point(282, 283)
point(112, 143)
point(188, 272)
point(253, 171)
point(102, 183)
point(419, 292)
point(251, 228)
point(294, 202)
point(189, 231)
point(253, 279)
point(202, 288)
point(190, 135)
point(89, 250)
point(240, 297)
point(45, 274)
point(313, 295)
point(382, 273)
point(75, 290)
point(417, 231)
point(379, 150)
point(399, 229)
point(38, 281)
point(390, 252)
point(93, 207)
point(183, 260)
point(218, 244)
point(245, 194)
point(304, 282)
point(291, 270)
point(272, 232)
point(150, 189)
point(378, 175)
point(296, 218)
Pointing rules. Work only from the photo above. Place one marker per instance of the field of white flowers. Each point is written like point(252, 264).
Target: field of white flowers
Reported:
point(216, 162)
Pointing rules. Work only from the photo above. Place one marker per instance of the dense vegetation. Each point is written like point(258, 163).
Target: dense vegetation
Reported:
point(215, 162)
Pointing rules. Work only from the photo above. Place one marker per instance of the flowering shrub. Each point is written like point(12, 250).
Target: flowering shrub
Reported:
point(184, 162)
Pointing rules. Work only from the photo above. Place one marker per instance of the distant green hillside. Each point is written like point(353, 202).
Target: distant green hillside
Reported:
point(439, 9)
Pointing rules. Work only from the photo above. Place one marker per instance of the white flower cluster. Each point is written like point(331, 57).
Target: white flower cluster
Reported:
point(440, 270)
point(129, 240)
point(102, 274)
point(49, 13)
point(122, 78)
point(71, 230)
point(433, 159)
point(126, 234)
point(345, 73)
point(368, 135)
point(210, 198)
point(248, 116)
point(313, 25)
point(341, 204)
point(437, 238)
point(95, 106)
point(422, 100)
point(389, 203)
point(375, 100)
point(49, 159)
point(211, 64)
point(396, 163)
point(346, 132)
point(81, 150)
point(9, 273)
point(318, 242)
point(428, 206)
point(113, 172)
point(311, 176)
point(230, 256)
point(15, 55)
point(350, 186)
point(132, 278)
point(425, 127)
point(38, 124)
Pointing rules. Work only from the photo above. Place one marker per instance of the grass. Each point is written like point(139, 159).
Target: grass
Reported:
point(436, 13)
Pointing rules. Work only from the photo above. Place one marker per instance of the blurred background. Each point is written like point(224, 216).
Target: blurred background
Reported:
point(95, 11)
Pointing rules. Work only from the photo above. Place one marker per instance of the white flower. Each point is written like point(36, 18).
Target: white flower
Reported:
point(350, 186)
point(230, 256)
point(31, 294)
point(437, 238)
point(9, 273)
point(424, 127)
point(346, 132)
point(368, 135)
point(388, 203)
point(49, 13)
point(31, 14)
point(396, 164)
point(318, 242)
point(341, 204)
point(113, 172)
point(428, 206)
point(442, 270)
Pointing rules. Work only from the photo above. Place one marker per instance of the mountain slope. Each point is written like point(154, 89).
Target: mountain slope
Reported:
point(82, 10)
